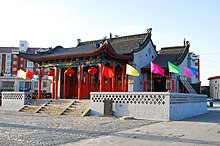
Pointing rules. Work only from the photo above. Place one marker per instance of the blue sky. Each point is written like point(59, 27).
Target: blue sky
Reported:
point(48, 23)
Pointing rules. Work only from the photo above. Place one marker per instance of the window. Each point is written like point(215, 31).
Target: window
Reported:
point(14, 62)
point(44, 84)
point(8, 84)
point(15, 56)
point(22, 59)
point(30, 64)
point(27, 84)
point(8, 62)
point(35, 85)
point(8, 69)
point(8, 56)
point(14, 69)
point(21, 65)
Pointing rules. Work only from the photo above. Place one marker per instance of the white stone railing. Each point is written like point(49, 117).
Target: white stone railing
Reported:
point(15, 100)
point(149, 105)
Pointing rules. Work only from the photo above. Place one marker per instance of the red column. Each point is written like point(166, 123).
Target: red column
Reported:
point(56, 92)
point(173, 85)
point(126, 88)
point(109, 84)
point(123, 79)
point(80, 82)
point(64, 86)
point(198, 69)
point(101, 78)
point(53, 87)
point(145, 86)
point(87, 84)
point(113, 79)
point(39, 82)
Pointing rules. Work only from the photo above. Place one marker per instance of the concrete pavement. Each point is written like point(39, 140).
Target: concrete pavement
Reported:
point(203, 130)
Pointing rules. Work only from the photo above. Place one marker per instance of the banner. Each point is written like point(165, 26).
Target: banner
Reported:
point(130, 70)
point(157, 69)
point(173, 68)
point(107, 72)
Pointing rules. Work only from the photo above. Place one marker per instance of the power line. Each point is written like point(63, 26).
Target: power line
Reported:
point(210, 53)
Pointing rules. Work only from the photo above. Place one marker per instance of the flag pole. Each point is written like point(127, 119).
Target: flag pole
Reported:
point(24, 85)
point(170, 81)
point(151, 79)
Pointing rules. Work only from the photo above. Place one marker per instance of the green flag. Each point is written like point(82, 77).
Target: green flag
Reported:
point(173, 68)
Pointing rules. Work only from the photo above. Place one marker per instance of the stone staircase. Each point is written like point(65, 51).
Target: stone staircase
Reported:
point(57, 107)
point(187, 85)
point(34, 105)
point(77, 108)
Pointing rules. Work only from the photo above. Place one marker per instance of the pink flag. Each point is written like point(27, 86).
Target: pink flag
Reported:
point(156, 69)
point(187, 72)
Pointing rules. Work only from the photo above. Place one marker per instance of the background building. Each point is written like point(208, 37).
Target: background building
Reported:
point(10, 63)
point(214, 83)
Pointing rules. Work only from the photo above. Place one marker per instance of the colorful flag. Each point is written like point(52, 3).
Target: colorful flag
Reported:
point(29, 74)
point(156, 69)
point(35, 78)
point(187, 72)
point(194, 70)
point(130, 70)
point(173, 68)
point(107, 72)
point(21, 74)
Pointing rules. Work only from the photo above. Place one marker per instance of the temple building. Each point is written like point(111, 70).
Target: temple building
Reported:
point(77, 71)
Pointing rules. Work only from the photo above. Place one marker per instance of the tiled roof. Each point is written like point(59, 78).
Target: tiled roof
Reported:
point(175, 55)
point(120, 45)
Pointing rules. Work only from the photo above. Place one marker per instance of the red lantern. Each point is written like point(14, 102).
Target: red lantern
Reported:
point(51, 73)
point(69, 71)
point(92, 70)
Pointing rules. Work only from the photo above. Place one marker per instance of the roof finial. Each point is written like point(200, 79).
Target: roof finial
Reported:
point(149, 30)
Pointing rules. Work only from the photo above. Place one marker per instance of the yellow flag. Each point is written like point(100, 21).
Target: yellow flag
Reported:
point(21, 74)
point(130, 70)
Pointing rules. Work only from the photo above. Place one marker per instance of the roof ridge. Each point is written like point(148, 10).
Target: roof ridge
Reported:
point(172, 47)
point(124, 38)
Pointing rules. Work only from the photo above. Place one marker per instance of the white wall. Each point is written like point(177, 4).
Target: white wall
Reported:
point(215, 88)
point(163, 106)
point(141, 59)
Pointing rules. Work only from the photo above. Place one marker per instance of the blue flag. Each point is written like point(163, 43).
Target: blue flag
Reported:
point(194, 70)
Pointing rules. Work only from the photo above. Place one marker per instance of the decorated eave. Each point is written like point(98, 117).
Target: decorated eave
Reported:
point(118, 48)
point(142, 44)
point(60, 53)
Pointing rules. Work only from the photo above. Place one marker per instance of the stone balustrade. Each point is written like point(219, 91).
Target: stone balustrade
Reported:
point(15, 100)
point(149, 105)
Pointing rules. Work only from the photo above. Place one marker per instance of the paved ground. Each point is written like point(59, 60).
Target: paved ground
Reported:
point(36, 129)
point(18, 128)
point(203, 130)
